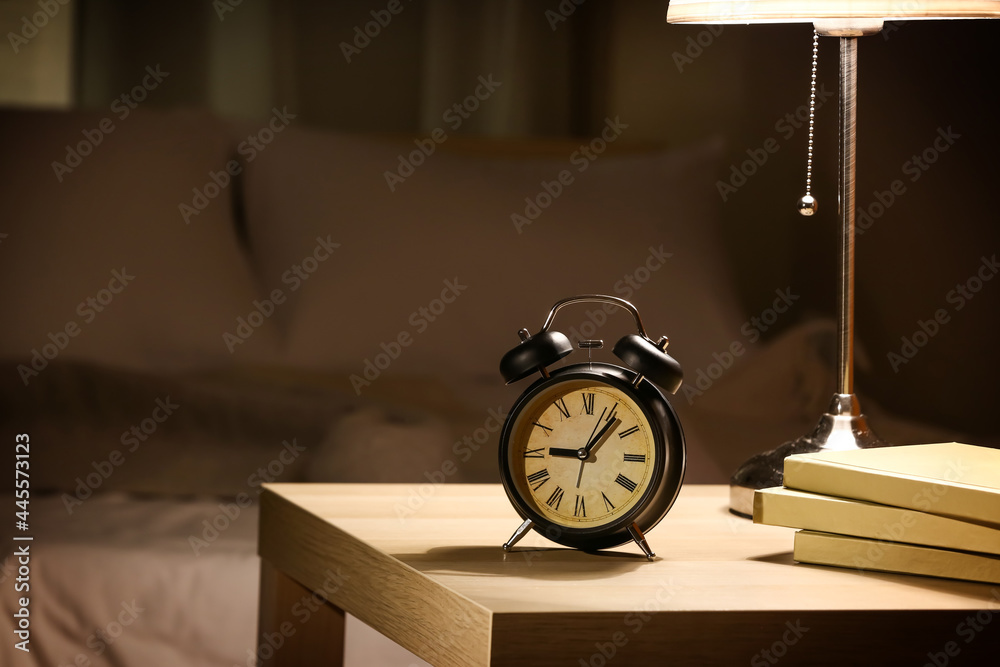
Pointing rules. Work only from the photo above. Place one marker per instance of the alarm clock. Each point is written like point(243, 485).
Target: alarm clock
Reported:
point(592, 454)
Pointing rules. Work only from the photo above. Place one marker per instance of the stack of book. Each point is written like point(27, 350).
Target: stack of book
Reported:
point(920, 509)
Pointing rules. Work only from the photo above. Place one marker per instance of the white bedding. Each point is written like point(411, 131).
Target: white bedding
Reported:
point(125, 567)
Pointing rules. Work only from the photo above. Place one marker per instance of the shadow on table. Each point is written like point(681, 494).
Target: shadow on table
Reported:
point(780, 558)
point(553, 563)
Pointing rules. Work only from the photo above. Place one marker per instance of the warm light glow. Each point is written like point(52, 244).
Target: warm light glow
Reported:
point(808, 11)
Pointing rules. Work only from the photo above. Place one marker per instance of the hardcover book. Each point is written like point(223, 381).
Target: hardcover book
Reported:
point(947, 479)
point(864, 554)
point(797, 509)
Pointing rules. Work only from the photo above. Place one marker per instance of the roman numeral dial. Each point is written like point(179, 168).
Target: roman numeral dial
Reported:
point(581, 453)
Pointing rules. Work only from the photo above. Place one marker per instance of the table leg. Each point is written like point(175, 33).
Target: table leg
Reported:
point(296, 626)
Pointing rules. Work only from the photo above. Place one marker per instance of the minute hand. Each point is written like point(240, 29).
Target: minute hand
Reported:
point(600, 435)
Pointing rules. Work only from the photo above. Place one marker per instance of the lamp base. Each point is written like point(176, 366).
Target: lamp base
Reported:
point(841, 427)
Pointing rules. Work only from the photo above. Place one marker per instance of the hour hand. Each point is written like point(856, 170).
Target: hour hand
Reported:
point(560, 451)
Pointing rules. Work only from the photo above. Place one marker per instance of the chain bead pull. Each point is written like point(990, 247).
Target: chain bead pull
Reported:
point(807, 204)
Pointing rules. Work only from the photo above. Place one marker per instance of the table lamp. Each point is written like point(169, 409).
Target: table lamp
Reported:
point(843, 426)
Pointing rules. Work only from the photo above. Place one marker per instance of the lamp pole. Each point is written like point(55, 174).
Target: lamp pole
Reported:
point(843, 426)
point(848, 143)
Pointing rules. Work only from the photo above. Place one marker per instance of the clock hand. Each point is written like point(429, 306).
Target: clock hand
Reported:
point(597, 424)
point(596, 441)
point(575, 453)
point(568, 453)
point(602, 434)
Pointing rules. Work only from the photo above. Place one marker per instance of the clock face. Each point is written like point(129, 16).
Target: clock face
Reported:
point(582, 453)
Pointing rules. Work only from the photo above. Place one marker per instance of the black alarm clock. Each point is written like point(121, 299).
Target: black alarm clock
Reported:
point(592, 454)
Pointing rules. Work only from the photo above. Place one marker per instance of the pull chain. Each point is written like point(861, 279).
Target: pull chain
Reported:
point(807, 204)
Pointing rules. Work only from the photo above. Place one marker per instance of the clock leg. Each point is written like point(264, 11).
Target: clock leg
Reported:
point(521, 531)
point(640, 539)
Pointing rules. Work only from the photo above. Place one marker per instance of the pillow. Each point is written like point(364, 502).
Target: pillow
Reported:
point(435, 274)
point(99, 263)
point(376, 444)
point(225, 432)
point(96, 429)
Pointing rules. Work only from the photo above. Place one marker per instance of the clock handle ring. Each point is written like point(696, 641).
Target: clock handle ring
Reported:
point(595, 298)
point(646, 357)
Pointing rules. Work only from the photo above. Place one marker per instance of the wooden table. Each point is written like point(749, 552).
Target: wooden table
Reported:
point(422, 564)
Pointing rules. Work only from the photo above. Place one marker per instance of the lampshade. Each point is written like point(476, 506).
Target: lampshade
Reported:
point(808, 11)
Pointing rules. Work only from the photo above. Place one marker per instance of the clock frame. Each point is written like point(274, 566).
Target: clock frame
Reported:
point(653, 494)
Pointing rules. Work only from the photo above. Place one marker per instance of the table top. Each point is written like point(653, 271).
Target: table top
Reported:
point(423, 564)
